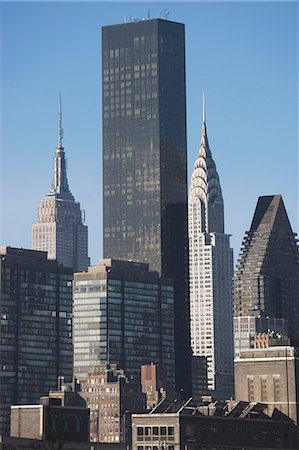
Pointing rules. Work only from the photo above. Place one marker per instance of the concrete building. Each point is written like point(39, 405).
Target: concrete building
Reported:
point(246, 328)
point(153, 383)
point(211, 272)
point(267, 277)
point(145, 159)
point(60, 230)
point(111, 399)
point(36, 327)
point(58, 418)
point(269, 375)
point(176, 425)
point(124, 314)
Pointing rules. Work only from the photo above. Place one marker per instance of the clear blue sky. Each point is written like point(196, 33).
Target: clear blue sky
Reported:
point(242, 54)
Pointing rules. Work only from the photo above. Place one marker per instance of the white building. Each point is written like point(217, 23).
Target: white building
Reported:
point(60, 230)
point(211, 271)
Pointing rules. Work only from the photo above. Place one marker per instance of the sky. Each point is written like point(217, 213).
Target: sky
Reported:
point(243, 55)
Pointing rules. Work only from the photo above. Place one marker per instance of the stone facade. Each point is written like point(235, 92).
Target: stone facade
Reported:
point(271, 376)
point(211, 272)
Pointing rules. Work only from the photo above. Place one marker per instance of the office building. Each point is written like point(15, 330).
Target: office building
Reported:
point(123, 314)
point(111, 398)
point(199, 376)
point(36, 327)
point(267, 275)
point(211, 272)
point(144, 159)
point(60, 230)
point(175, 424)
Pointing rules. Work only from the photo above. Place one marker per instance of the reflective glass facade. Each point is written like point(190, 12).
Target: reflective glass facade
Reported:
point(123, 314)
point(144, 158)
point(36, 327)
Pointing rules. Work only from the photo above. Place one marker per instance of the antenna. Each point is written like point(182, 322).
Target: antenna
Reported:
point(165, 13)
point(60, 129)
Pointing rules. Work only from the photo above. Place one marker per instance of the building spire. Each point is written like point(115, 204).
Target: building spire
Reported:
point(203, 109)
point(60, 188)
point(60, 129)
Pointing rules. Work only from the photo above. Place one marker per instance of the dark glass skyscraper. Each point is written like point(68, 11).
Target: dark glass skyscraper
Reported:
point(144, 158)
point(267, 275)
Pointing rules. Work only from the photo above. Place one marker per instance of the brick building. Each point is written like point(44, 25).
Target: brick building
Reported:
point(111, 399)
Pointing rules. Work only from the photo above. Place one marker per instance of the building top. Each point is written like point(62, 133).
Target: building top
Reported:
point(277, 352)
point(60, 188)
point(270, 215)
point(129, 21)
point(30, 256)
point(118, 267)
point(205, 186)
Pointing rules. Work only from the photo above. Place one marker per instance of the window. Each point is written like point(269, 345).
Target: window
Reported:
point(140, 432)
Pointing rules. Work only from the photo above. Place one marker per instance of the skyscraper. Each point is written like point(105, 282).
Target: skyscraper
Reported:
point(123, 314)
point(36, 327)
point(144, 158)
point(210, 258)
point(267, 275)
point(60, 230)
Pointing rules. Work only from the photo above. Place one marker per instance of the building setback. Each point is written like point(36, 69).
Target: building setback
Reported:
point(267, 275)
point(124, 315)
point(144, 159)
point(211, 272)
point(36, 327)
point(60, 230)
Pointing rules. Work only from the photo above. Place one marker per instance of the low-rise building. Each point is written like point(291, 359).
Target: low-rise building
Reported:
point(177, 424)
point(153, 383)
point(60, 417)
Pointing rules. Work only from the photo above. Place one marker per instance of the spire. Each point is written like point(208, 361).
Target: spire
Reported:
point(60, 188)
point(60, 129)
point(205, 184)
point(204, 136)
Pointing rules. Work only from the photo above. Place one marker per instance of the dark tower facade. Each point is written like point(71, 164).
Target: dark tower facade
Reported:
point(144, 158)
point(267, 276)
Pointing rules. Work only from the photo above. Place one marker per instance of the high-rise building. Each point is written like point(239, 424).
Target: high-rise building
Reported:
point(267, 275)
point(123, 314)
point(60, 230)
point(210, 259)
point(36, 327)
point(112, 398)
point(144, 159)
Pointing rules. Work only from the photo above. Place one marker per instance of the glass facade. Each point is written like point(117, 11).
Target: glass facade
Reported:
point(123, 316)
point(36, 327)
point(144, 158)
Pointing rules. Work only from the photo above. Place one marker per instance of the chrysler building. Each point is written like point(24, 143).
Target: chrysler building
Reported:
point(60, 229)
point(211, 271)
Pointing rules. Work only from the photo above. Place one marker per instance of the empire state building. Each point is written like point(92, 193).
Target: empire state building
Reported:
point(60, 229)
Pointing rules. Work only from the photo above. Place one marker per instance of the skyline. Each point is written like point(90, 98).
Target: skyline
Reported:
point(266, 98)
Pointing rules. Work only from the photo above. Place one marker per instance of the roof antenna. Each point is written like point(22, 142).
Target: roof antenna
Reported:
point(60, 129)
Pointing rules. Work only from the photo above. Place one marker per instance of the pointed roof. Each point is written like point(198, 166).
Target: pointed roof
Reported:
point(205, 184)
point(270, 215)
point(60, 188)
